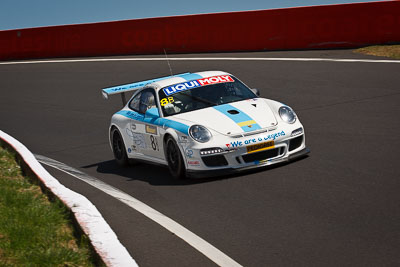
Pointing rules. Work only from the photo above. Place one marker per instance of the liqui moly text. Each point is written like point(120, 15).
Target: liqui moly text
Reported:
point(196, 83)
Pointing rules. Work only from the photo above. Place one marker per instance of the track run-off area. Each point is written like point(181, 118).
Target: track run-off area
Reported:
point(337, 207)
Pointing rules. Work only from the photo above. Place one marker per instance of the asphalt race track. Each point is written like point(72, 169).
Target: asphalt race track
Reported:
point(338, 207)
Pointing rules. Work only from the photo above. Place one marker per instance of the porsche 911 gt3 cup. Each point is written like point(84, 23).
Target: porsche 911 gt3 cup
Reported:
point(205, 123)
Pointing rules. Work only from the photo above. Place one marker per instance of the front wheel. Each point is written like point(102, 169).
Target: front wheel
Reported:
point(176, 165)
point(118, 148)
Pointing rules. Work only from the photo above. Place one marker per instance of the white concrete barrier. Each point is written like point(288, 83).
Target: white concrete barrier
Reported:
point(101, 236)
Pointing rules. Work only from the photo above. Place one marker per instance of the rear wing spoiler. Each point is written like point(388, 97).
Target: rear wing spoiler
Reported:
point(122, 89)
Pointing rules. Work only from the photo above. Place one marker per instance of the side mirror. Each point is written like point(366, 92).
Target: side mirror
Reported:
point(152, 113)
point(256, 91)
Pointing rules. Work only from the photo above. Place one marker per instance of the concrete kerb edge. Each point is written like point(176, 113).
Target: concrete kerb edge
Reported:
point(87, 217)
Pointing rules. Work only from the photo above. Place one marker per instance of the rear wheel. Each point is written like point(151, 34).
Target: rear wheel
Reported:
point(174, 158)
point(118, 148)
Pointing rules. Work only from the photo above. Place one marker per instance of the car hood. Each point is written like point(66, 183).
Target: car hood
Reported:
point(233, 118)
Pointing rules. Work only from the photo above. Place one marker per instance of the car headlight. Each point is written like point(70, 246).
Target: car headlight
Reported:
point(287, 114)
point(200, 133)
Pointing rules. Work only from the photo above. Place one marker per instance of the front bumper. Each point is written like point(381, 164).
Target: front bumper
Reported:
point(299, 154)
point(227, 171)
point(282, 149)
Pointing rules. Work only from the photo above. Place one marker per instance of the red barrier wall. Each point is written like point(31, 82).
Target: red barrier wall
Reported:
point(334, 26)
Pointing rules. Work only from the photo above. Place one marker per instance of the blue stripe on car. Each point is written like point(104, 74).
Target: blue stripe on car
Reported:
point(191, 76)
point(238, 118)
point(183, 128)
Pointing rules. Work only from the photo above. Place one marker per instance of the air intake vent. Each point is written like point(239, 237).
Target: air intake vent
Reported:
point(295, 143)
point(233, 112)
point(263, 155)
point(215, 161)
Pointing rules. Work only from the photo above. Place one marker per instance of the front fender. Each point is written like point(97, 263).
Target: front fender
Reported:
point(182, 140)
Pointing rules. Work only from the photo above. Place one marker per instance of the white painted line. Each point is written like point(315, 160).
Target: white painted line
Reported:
point(203, 59)
point(102, 237)
point(192, 239)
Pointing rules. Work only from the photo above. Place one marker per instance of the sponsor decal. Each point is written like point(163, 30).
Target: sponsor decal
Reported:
point(274, 135)
point(215, 79)
point(180, 87)
point(255, 140)
point(193, 162)
point(189, 153)
point(138, 139)
point(134, 148)
point(151, 129)
point(183, 139)
point(229, 148)
point(258, 162)
point(132, 115)
point(260, 147)
point(126, 87)
point(196, 83)
point(129, 150)
point(133, 126)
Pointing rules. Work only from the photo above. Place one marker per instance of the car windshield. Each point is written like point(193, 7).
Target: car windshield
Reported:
point(187, 96)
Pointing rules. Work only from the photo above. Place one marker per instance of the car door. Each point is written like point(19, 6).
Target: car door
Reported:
point(151, 130)
point(137, 144)
point(145, 135)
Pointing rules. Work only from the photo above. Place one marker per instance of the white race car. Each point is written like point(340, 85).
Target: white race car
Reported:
point(202, 124)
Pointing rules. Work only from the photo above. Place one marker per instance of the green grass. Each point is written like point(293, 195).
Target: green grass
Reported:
point(33, 230)
point(391, 51)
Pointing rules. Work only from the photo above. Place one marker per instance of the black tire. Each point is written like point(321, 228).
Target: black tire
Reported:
point(118, 148)
point(174, 158)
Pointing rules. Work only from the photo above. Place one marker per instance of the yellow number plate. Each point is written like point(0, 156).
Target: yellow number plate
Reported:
point(260, 147)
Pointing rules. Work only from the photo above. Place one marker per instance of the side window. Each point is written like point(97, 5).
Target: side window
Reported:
point(147, 101)
point(135, 103)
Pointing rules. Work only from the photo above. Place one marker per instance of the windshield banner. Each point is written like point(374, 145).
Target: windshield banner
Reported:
point(196, 83)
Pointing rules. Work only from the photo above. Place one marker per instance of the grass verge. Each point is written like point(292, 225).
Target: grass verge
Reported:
point(392, 51)
point(33, 230)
